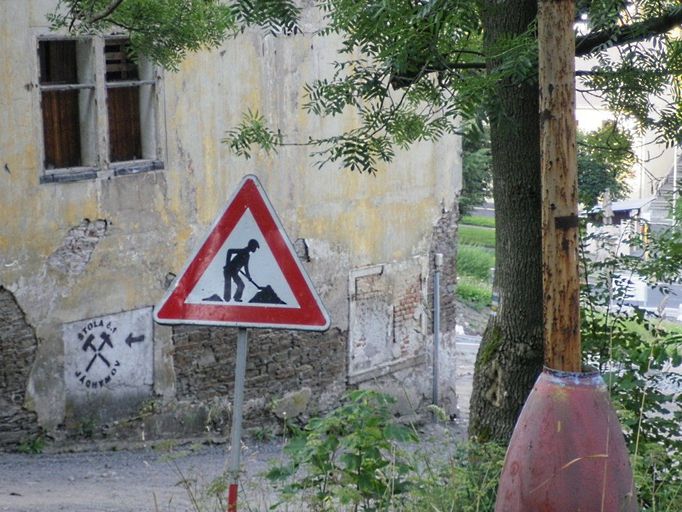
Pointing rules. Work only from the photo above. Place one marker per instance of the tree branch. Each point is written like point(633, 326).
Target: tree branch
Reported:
point(629, 34)
point(94, 18)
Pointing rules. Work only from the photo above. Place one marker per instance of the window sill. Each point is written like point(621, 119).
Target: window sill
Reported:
point(136, 167)
point(74, 174)
point(69, 175)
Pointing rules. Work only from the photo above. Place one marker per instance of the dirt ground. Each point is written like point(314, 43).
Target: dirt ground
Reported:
point(154, 480)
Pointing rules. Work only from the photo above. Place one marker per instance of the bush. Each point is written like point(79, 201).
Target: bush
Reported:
point(635, 354)
point(468, 483)
point(348, 458)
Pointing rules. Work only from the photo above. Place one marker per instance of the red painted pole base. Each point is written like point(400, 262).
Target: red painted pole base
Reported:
point(232, 492)
point(567, 452)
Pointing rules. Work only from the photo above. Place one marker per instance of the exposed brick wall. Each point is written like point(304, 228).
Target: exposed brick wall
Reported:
point(17, 351)
point(278, 362)
point(404, 312)
point(445, 242)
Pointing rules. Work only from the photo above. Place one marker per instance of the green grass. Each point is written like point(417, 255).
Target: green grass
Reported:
point(476, 235)
point(476, 220)
point(476, 262)
point(474, 292)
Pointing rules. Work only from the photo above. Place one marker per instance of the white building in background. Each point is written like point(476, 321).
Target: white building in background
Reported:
point(655, 179)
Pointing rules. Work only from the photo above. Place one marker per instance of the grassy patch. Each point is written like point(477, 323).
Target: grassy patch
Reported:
point(476, 235)
point(476, 220)
point(476, 262)
point(474, 292)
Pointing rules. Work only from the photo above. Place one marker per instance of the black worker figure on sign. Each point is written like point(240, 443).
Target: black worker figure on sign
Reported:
point(236, 261)
point(237, 265)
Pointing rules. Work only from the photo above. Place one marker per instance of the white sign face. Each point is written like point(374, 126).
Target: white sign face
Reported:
point(108, 355)
point(219, 284)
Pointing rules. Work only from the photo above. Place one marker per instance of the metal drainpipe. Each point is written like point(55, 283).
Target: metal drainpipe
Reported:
point(438, 260)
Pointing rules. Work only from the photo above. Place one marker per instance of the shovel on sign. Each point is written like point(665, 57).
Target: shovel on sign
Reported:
point(265, 294)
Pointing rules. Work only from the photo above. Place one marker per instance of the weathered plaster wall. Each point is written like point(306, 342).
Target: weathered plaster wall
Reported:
point(106, 247)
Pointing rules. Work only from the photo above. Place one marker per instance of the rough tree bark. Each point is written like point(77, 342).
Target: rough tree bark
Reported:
point(511, 353)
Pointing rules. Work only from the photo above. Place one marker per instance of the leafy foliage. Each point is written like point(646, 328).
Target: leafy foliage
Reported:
point(477, 171)
point(474, 292)
point(644, 388)
point(165, 31)
point(252, 130)
point(349, 457)
point(468, 483)
point(475, 262)
point(605, 161)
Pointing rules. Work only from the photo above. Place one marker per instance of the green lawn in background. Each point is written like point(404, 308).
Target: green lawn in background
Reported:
point(477, 220)
point(474, 261)
point(476, 235)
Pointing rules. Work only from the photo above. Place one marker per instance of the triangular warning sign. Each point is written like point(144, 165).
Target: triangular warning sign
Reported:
point(245, 273)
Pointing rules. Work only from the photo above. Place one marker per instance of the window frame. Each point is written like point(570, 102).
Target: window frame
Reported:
point(152, 119)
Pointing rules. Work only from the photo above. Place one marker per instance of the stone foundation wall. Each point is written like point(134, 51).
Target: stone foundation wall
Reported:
point(278, 363)
point(17, 351)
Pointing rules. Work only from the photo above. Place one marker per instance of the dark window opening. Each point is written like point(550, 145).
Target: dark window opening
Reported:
point(119, 62)
point(123, 103)
point(61, 111)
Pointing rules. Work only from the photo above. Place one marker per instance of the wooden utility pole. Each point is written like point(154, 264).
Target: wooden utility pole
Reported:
point(561, 285)
point(567, 451)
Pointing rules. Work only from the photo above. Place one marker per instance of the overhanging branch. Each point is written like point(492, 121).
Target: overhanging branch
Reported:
point(630, 33)
point(105, 12)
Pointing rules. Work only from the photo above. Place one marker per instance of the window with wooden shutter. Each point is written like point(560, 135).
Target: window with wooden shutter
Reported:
point(65, 102)
point(99, 109)
point(123, 102)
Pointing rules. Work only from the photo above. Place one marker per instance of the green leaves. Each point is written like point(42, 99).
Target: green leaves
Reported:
point(605, 161)
point(165, 31)
point(162, 30)
point(252, 131)
point(349, 457)
point(635, 351)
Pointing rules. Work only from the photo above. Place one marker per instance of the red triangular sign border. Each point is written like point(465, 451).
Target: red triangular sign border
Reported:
point(311, 315)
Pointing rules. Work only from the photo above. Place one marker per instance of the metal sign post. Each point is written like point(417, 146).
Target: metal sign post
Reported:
point(237, 408)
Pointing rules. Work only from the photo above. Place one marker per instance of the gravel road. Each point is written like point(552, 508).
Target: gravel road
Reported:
point(137, 480)
point(156, 480)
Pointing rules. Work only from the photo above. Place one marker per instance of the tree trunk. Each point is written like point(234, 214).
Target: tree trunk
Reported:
point(511, 353)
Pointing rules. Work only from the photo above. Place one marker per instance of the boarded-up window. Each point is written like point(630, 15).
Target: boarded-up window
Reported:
point(98, 108)
point(60, 105)
point(123, 103)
